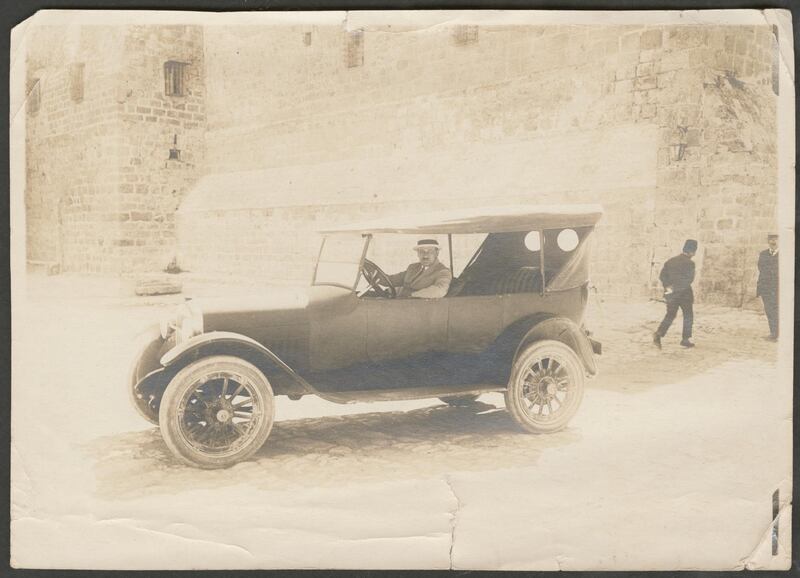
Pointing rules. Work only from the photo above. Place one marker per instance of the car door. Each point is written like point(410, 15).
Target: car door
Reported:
point(337, 330)
point(405, 328)
point(406, 341)
point(475, 322)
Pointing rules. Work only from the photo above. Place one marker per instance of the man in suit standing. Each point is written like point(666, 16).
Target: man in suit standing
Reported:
point(677, 277)
point(767, 286)
point(428, 278)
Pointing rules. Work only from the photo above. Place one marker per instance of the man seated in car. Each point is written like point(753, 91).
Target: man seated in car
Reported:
point(428, 278)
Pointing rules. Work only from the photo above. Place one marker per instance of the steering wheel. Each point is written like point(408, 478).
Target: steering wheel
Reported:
point(378, 280)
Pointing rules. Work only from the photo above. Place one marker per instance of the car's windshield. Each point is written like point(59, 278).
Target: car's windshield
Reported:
point(340, 259)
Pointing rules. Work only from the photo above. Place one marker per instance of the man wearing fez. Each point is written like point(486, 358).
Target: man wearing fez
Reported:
point(767, 286)
point(428, 278)
point(677, 276)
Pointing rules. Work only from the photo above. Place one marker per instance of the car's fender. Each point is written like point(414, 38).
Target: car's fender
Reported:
point(146, 376)
point(567, 332)
point(229, 343)
point(148, 349)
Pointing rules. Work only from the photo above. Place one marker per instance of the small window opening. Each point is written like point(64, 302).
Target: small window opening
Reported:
point(355, 48)
point(76, 82)
point(175, 152)
point(465, 35)
point(776, 64)
point(307, 39)
point(532, 241)
point(34, 99)
point(567, 240)
point(174, 82)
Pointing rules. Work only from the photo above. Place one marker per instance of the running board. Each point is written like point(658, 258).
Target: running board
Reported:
point(373, 395)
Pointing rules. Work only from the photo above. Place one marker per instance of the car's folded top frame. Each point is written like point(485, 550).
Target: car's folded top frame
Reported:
point(496, 219)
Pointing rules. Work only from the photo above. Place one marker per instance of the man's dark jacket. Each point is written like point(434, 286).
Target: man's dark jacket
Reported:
point(678, 273)
point(767, 274)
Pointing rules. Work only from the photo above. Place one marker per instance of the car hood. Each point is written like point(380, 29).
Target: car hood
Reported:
point(276, 306)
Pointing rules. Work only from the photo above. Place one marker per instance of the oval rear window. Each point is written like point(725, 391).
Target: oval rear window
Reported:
point(532, 241)
point(567, 240)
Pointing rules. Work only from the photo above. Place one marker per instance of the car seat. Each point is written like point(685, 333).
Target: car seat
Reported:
point(522, 280)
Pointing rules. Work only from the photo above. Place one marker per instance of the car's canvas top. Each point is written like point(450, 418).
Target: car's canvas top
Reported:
point(496, 219)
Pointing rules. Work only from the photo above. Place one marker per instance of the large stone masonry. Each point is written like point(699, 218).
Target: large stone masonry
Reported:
point(672, 129)
point(162, 140)
point(101, 190)
point(72, 148)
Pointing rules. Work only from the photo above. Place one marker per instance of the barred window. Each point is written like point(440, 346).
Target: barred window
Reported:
point(355, 48)
point(174, 84)
point(34, 99)
point(465, 35)
point(776, 63)
point(76, 82)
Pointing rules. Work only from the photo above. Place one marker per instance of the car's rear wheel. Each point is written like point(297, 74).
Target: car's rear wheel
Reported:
point(217, 411)
point(546, 386)
point(460, 400)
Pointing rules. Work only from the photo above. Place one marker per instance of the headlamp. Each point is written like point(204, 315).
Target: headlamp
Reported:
point(185, 322)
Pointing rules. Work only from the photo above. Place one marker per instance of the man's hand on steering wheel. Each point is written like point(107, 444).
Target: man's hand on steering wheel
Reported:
point(378, 280)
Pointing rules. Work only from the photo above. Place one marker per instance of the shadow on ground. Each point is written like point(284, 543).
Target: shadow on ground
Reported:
point(433, 441)
point(631, 363)
point(335, 450)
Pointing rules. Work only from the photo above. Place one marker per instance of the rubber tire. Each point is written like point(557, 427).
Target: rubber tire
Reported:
point(513, 394)
point(460, 400)
point(187, 377)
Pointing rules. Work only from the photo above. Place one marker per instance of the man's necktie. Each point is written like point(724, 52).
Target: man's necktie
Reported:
point(417, 276)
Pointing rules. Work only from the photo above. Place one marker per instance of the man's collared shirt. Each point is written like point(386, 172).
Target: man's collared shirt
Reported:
point(430, 282)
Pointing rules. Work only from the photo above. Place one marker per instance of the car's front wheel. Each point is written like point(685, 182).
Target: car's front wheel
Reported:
point(216, 411)
point(546, 386)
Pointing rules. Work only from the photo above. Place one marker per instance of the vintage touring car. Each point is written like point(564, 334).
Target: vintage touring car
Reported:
point(511, 322)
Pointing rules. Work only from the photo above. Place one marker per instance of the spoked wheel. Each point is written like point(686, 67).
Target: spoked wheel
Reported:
point(459, 400)
point(216, 412)
point(546, 387)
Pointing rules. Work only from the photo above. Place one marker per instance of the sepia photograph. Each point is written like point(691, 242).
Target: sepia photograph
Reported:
point(466, 290)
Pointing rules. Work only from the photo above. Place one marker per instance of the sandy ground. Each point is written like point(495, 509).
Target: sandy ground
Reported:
point(671, 462)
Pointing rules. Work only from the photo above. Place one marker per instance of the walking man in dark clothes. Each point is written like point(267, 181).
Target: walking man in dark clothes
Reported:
point(677, 276)
point(767, 287)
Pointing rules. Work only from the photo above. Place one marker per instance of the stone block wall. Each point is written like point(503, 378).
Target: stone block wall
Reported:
point(162, 140)
point(101, 192)
point(671, 128)
point(72, 148)
point(717, 156)
point(279, 128)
